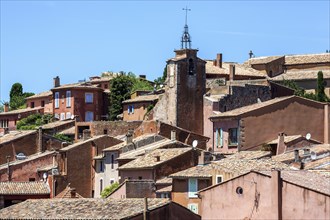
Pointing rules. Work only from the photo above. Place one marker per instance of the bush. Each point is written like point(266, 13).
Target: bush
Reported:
point(109, 189)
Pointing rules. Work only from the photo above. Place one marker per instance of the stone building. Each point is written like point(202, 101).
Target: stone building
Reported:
point(44, 99)
point(136, 109)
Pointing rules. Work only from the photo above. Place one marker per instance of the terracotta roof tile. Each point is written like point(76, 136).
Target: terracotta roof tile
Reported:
point(149, 160)
point(249, 155)
point(196, 171)
point(262, 60)
point(66, 194)
point(142, 98)
point(13, 135)
point(320, 164)
point(165, 189)
point(287, 139)
point(240, 69)
point(83, 85)
point(80, 208)
point(39, 95)
point(165, 180)
point(57, 124)
point(24, 188)
point(24, 110)
point(307, 58)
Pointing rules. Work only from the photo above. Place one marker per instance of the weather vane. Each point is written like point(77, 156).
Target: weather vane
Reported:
point(185, 39)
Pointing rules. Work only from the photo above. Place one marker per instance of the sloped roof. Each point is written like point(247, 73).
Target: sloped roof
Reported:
point(165, 189)
point(298, 74)
point(57, 124)
point(149, 160)
point(80, 208)
point(201, 171)
point(83, 85)
point(240, 69)
point(24, 110)
point(249, 155)
point(66, 194)
point(262, 60)
point(13, 135)
point(40, 95)
point(320, 164)
point(24, 188)
point(142, 98)
point(287, 139)
point(307, 58)
point(82, 142)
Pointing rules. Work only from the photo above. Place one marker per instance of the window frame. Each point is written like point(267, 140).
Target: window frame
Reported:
point(57, 100)
point(86, 113)
point(230, 136)
point(216, 179)
point(91, 95)
point(68, 99)
point(192, 190)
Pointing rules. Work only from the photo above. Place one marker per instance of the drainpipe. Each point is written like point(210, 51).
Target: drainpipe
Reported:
point(276, 198)
point(145, 210)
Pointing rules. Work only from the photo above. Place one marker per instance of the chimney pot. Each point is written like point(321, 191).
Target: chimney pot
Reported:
point(6, 107)
point(73, 192)
point(56, 81)
point(231, 72)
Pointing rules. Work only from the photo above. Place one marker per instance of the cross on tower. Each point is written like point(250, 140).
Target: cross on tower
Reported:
point(185, 39)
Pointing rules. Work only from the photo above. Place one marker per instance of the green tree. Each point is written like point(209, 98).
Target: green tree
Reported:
point(120, 90)
point(63, 137)
point(109, 189)
point(33, 121)
point(17, 97)
point(161, 80)
point(320, 94)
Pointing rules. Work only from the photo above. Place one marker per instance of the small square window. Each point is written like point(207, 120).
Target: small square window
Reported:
point(219, 179)
point(88, 97)
point(233, 136)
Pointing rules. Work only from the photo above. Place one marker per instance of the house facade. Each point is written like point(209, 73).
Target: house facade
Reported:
point(135, 109)
point(44, 100)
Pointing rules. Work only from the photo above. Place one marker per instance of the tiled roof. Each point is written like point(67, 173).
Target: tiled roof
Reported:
point(298, 74)
point(320, 164)
point(123, 144)
point(57, 124)
point(287, 139)
point(66, 194)
point(24, 188)
point(165, 180)
point(42, 94)
point(240, 69)
point(102, 79)
point(306, 179)
point(201, 171)
point(238, 167)
point(165, 189)
point(307, 58)
point(249, 108)
point(83, 85)
point(80, 208)
point(133, 154)
point(13, 135)
point(249, 155)
point(262, 60)
point(28, 159)
point(81, 142)
point(149, 160)
point(289, 156)
point(24, 110)
point(69, 131)
point(142, 98)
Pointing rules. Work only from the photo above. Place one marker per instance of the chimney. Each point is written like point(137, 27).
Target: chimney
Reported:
point(296, 156)
point(219, 60)
point(56, 81)
point(129, 137)
point(276, 192)
point(72, 192)
point(40, 139)
point(6, 107)
point(201, 158)
point(173, 135)
point(281, 148)
point(231, 72)
point(86, 134)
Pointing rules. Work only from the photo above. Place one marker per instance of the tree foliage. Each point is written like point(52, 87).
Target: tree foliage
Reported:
point(109, 189)
point(33, 121)
point(121, 88)
point(17, 97)
point(62, 137)
point(320, 94)
point(161, 80)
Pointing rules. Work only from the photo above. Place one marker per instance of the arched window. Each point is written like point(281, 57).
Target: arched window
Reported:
point(191, 67)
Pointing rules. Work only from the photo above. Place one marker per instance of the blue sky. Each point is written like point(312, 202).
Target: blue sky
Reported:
point(78, 39)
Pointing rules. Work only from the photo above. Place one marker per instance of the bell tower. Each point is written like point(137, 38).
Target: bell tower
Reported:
point(185, 86)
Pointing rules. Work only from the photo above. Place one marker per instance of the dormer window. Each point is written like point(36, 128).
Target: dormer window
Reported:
point(191, 67)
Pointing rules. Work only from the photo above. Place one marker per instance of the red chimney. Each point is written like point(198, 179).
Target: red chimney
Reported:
point(6, 107)
point(219, 60)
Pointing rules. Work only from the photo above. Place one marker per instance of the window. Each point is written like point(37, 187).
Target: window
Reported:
point(112, 181)
point(131, 109)
point(68, 99)
point(68, 115)
point(101, 185)
point(233, 136)
point(101, 166)
point(4, 123)
point(192, 187)
point(219, 179)
point(88, 97)
point(193, 207)
point(42, 103)
point(112, 160)
point(32, 104)
point(105, 131)
point(57, 99)
point(219, 137)
point(62, 116)
point(89, 116)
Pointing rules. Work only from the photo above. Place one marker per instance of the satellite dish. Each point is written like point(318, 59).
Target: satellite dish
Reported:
point(308, 136)
point(194, 143)
point(72, 117)
point(20, 156)
point(313, 155)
